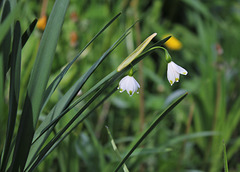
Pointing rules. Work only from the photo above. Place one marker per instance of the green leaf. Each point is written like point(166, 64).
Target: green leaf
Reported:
point(28, 32)
point(42, 67)
point(14, 91)
point(51, 88)
point(37, 84)
point(57, 139)
point(56, 113)
point(25, 37)
point(68, 97)
point(1, 3)
point(225, 158)
point(161, 42)
point(111, 77)
point(77, 101)
point(159, 118)
point(125, 169)
point(2, 76)
point(63, 103)
point(199, 7)
point(7, 22)
point(6, 42)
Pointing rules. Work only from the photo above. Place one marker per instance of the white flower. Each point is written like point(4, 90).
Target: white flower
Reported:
point(129, 84)
point(174, 71)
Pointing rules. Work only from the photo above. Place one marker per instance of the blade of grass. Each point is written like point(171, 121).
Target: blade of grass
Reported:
point(41, 70)
point(198, 6)
point(54, 121)
point(64, 102)
point(25, 37)
point(57, 139)
point(79, 85)
point(234, 148)
point(95, 87)
point(225, 158)
point(174, 141)
point(163, 147)
point(68, 97)
point(97, 145)
point(51, 88)
point(6, 42)
point(115, 74)
point(1, 3)
point(2, 84)
point(161, 42)
point(77, 101)
point(125, 169)
point(14, 91)
point(6, 24)
point(41, 128)
point(37, 84)
point(160, 117)
point(28, 32)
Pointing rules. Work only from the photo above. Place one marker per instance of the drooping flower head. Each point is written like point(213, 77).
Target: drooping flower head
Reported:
point(173, 70)
point(129, 84)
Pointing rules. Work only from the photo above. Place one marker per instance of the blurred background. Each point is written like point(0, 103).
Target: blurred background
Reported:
point(205, 42)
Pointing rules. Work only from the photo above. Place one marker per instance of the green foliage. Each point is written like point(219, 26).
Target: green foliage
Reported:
point(58, 86)
point(225, 158)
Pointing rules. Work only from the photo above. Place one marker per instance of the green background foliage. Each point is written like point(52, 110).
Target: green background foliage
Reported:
point(188, 139)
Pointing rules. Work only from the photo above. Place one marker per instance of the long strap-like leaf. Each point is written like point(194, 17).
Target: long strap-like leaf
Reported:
point(25, 37)
point(51, 88)
point(55, 114)
point(37, 85)
point(159, 118)
point(67, 99)
point(6, 24)
point(57, 138)
point(5, 33)
point(14, 91)
point(55, 141)
point(225, 158)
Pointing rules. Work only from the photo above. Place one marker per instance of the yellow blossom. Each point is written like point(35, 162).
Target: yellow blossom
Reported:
point(41, 24)
point(173, 43)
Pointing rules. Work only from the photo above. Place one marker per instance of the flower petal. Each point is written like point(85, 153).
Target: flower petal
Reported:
point(179, 69)
point(129, 84)
point(170, 73)
point(176, 75)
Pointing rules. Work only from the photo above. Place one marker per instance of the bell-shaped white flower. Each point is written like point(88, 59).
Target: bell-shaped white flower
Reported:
point(129, 84)
point(174, 71)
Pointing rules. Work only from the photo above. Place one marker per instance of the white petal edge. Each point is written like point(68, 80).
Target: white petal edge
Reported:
point(179, 69)
point(129, 84)
point(170, 73)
